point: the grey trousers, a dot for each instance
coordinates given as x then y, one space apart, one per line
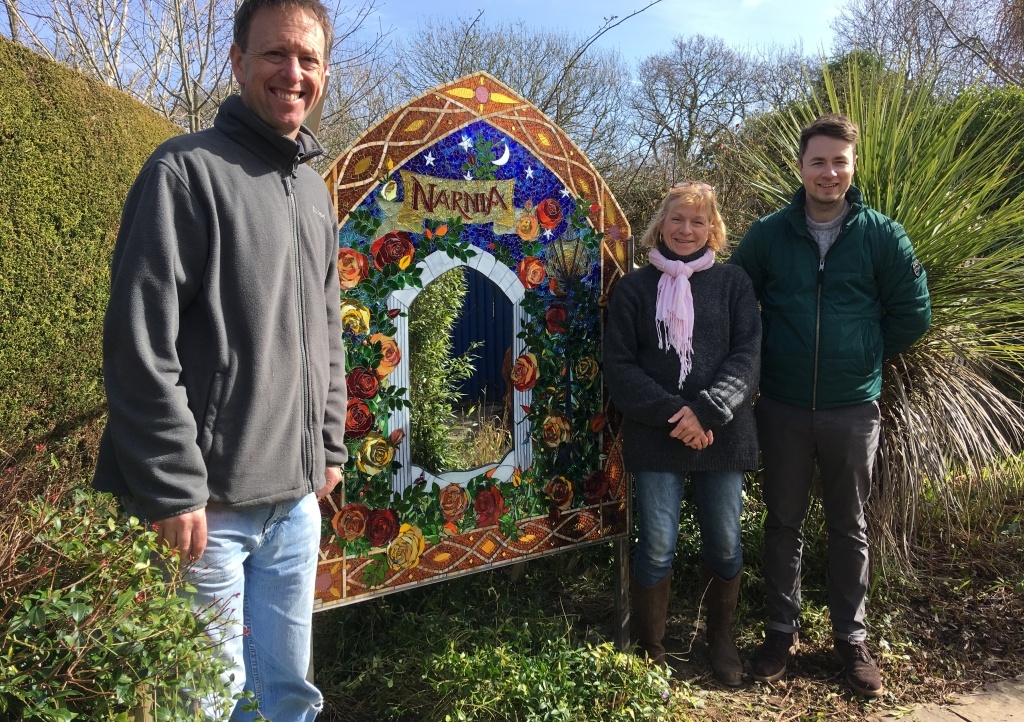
842 442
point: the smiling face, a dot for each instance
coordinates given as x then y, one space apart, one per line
685 228
827 169
282 70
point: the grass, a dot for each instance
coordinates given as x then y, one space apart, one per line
956 625
480 436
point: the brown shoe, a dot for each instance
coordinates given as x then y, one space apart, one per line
861 671
648 616
769 661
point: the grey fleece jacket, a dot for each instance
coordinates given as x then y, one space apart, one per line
223 360
643 380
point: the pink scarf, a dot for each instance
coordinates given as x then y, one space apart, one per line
674 315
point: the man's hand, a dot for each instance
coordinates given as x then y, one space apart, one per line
688 429
186 533
333 476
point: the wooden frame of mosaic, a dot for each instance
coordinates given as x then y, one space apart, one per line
469 174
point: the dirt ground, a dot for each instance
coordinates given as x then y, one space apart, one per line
956 624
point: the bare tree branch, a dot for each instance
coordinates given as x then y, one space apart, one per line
170 54
588 103
463 46
981 48
608 25
920 35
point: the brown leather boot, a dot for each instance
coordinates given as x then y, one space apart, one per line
649 610
720 598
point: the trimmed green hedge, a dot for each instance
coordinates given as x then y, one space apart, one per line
69 150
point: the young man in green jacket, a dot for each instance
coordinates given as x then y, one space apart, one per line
840 290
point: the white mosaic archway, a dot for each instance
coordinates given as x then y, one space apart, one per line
521 455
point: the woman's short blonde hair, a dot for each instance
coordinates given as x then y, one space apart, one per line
690 193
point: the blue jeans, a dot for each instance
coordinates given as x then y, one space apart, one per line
259 567
659 497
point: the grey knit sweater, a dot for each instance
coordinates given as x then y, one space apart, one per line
643 379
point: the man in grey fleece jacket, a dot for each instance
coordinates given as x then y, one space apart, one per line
223 360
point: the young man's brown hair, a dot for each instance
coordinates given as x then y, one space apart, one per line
832 125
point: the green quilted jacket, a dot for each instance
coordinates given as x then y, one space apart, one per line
828 323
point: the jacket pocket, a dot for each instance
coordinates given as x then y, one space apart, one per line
213 400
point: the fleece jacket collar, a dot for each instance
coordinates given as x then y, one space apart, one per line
235 120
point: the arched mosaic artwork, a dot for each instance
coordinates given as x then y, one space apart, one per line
471 176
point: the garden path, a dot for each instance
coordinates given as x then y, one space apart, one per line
997 702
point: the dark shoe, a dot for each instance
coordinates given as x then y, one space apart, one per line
720 598
648 615
861 671
769 661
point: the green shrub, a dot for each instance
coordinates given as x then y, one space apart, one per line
435 394
90 622
560 682
485 647
69 149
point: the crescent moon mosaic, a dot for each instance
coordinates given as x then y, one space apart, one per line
471 176
504 157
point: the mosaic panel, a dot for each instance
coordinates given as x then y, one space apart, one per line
469 174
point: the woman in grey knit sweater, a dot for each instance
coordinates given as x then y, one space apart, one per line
681 359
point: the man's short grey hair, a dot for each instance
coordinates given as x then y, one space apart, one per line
247 10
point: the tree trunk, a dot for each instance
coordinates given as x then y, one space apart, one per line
12 17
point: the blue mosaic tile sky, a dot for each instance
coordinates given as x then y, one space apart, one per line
449 158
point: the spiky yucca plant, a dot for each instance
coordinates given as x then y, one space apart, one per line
947 169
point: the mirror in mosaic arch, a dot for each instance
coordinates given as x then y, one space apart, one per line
502 203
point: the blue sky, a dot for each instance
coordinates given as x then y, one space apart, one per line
741 23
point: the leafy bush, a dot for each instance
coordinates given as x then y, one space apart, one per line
483 648
91 623
69 149
560 682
